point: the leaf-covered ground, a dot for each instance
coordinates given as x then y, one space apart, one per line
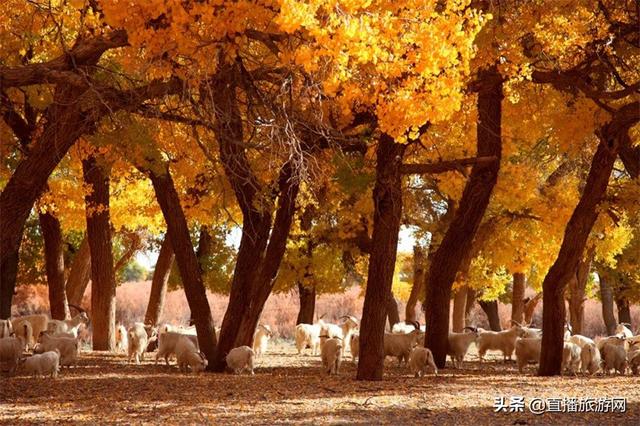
289 388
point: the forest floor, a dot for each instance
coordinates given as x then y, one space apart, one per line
289 388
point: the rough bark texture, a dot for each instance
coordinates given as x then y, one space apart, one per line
178 232
606 297
418 281
392 311
458 239
577 293
571 250
530 307
624 311
159 283
459 306
54 265
307 298
79 274
471 300
491 310
103 281
387 199
517 297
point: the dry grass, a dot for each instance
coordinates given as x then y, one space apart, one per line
289 388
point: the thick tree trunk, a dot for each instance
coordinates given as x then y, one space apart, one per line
79 274
418 281
205 246
517 297
103 280
457 242
571 250
54 265
307 298
624 311
392 311
459 306
577 293
606 296
471 300
178 233
491 310
159 282
387 199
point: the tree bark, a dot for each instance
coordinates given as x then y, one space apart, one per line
103 280
79 274
577 293
387 199
471 300
307 298
418 281
530 307
571 250
54 265
624 311
459 306
491 310
517 297
606 296
159 282
392 311
205 246
458 239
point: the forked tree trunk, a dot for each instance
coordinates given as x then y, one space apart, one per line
79 274
517 297
606 297
392 311
418 281
459 306
571 251
159 282
103 281
307 296
387 200
54 265
178 232
491 310
457 242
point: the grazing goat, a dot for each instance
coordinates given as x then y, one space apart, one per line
458 345
590 358
421 362
24 330
400 345
527 350
308 335
167 344
624 329
68 326
42 364
503 341
406 327
633 356
122 341
240 359
38 323
188 355
5 328
10 352
580 340
528 331
354 346
614 357
261 339
571 357
616 340
138 341
67 346
331 355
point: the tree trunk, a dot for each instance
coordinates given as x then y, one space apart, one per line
517 297
459 306
624 311
571 251
387 199
54 265
491 310
307 304
103 280
178 233
530 307
79 274
159 283
392 311
458 239
418 281
471 300
205 246
577 293
606 296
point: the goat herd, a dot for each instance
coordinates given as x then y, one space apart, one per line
55 343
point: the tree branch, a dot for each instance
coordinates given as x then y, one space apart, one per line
445 166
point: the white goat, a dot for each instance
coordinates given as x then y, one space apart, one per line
421 362
590 358
459 345
580 340
308 335
503 341
624 329
10 352
400 345
67 346
25 333
240 359
528 331
167 344
406 327
5 328
349 325
38 324
614 357
354 346
261 339
331 355
42 364
527 350
571 357
616 340
188 355
68 326
122 341
138 341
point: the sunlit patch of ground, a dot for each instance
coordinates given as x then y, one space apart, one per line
289 388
